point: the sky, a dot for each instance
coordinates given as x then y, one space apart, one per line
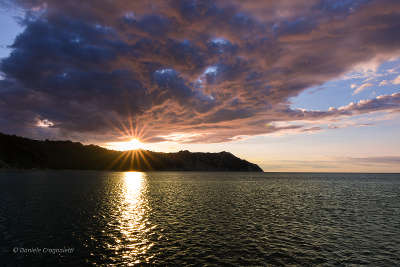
305 85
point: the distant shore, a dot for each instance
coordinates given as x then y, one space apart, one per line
23 153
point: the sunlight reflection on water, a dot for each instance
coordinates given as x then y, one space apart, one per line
133 222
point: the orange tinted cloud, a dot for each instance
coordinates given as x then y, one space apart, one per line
211 71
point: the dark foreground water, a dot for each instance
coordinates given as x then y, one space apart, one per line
176 218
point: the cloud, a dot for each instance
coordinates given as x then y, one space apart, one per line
383 102
361 88
396 80
44 123
383 83
353 164
377 160
210 71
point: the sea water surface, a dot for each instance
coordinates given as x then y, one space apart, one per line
194 218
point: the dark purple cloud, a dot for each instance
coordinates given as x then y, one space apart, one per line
215 69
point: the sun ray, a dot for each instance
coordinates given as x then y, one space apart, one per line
131 125
115 161
133 155
124 159
130 160
143 156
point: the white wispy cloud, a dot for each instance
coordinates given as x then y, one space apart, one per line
383 83
396 80
361 88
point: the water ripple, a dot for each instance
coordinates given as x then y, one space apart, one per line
201 218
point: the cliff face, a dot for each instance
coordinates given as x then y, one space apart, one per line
24 153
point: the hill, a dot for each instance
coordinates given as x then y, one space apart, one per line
24 153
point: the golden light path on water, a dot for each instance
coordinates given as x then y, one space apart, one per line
133 223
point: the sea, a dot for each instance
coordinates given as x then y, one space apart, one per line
77 218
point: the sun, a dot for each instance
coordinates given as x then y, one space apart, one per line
132 144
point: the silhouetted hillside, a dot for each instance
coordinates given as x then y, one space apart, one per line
24 153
